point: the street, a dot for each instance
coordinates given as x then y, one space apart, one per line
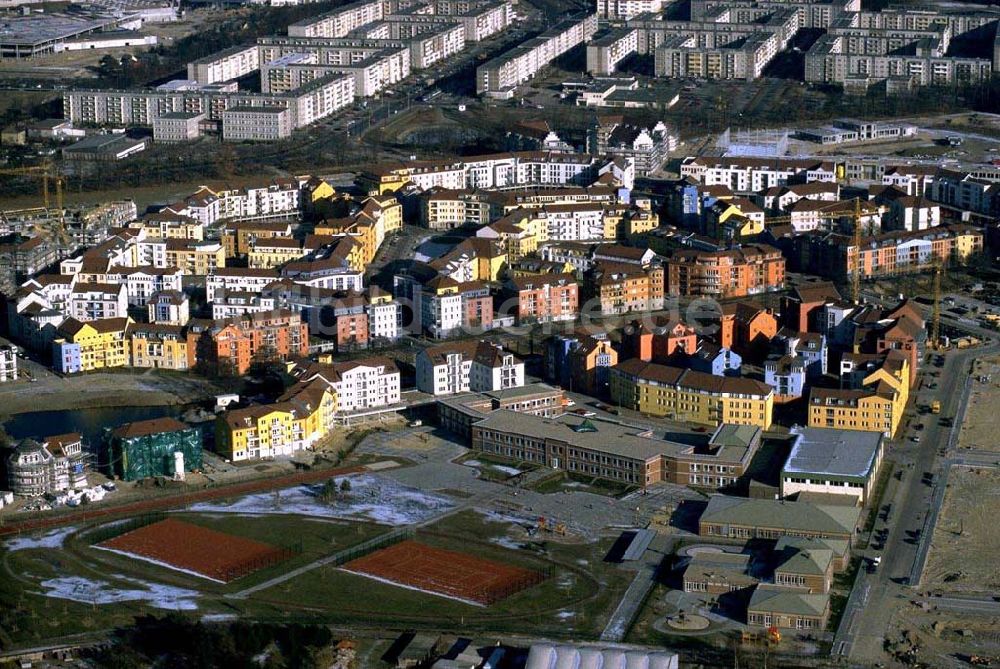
913 504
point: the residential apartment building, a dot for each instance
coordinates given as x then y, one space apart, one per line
623 288
297 421
543 299
877 406
688 395
230 346
752 175
96 301
516 170
158 346
580 363
500 76
364 385
833 256
48 467
226 65
459 367
749 270
90 346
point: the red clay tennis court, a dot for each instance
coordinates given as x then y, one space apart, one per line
193 548
443 572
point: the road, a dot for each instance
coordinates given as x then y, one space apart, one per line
914 505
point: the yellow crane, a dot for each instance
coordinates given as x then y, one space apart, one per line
47 174
856 216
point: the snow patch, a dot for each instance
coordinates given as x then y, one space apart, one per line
53 539
86 591
565 615
506 470
375 498
507 542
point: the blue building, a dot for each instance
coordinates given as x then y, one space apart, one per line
787 375
713 359
66 357
811 347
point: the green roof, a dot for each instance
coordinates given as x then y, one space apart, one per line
781 515
801 555
775 599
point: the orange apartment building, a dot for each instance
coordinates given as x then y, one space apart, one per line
623 288
230 346
748 270
544 298
660 339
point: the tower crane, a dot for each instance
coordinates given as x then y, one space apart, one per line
47 174
855 251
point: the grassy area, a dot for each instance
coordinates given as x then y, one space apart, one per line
576 600
27 617
580 483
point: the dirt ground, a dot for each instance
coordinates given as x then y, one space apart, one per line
982 420
52 392
965 545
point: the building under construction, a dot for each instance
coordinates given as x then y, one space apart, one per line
46 467
149 448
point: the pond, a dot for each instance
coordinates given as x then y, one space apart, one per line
88 422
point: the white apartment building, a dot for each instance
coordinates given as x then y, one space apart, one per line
621 10
751 175
169 307
604 53
141 283
235 304
371 383
239 280
257 124
445 369
440 314
514 170
340 22
8 364
227 65
179 126
384 318
501 76
494 369
97 301
573 222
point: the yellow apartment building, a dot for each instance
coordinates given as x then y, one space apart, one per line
688 395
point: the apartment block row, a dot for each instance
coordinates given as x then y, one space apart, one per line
901 48
275 114
500 77
499 171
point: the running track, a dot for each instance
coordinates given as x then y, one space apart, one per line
178 500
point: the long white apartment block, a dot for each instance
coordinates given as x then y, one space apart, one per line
307 104
604 53
480 20
291 62
621 10
430 39
500 77
340 22
226 65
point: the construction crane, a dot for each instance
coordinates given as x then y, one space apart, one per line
47 174
856 216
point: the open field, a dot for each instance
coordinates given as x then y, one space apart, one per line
85 391
982 420
448 573
194 549
965 545
55 582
